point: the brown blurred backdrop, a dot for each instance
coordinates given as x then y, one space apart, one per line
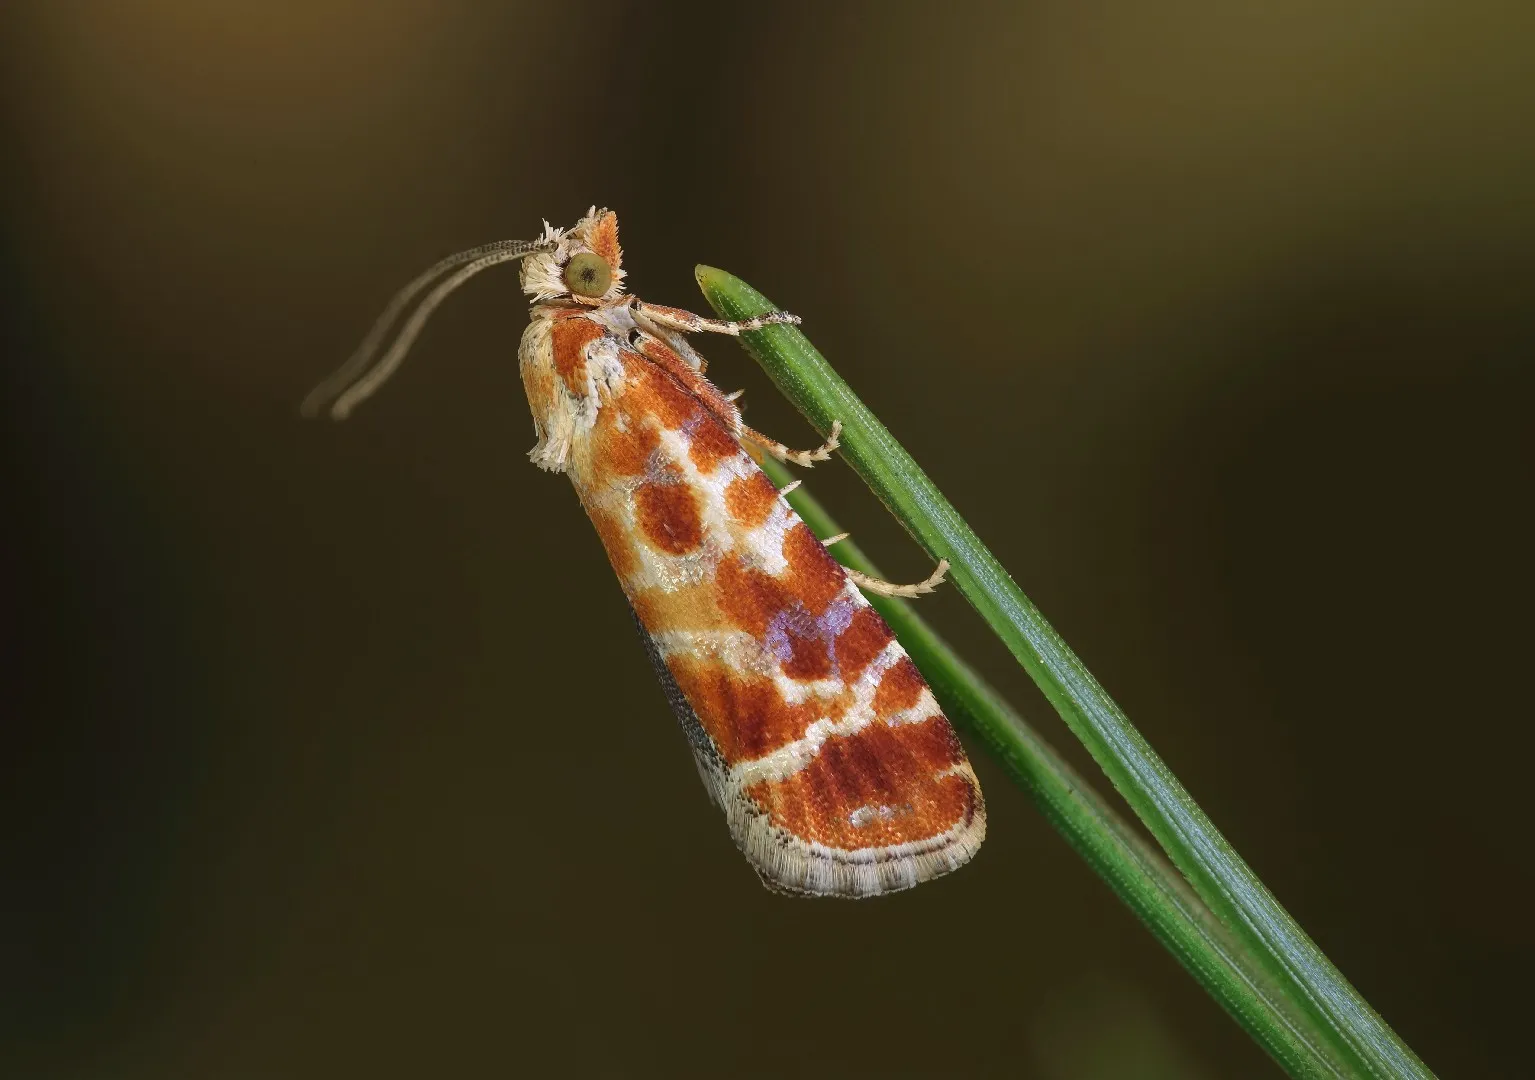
332 751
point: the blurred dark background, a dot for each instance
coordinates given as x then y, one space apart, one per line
331 748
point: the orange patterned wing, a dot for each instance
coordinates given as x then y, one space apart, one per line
813 730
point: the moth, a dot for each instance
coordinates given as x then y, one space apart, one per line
813 731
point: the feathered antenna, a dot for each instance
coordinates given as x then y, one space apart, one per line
360 376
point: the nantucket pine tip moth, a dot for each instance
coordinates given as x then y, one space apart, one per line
836 770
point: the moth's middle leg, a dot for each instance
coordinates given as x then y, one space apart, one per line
805 458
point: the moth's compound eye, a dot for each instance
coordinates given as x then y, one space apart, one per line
587 274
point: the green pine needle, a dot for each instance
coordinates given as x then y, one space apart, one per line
1250 955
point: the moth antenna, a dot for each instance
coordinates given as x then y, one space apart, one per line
360 376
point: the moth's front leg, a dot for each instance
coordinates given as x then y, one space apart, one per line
688 323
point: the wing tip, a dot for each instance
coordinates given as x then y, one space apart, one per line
795 866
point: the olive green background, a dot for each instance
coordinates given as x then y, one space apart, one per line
336 754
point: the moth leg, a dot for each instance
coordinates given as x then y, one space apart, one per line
673 341
884 588
685 321
805 458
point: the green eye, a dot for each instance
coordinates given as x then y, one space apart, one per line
587 274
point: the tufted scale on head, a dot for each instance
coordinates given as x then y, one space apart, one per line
543 275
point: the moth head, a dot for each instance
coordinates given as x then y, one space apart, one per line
583 264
